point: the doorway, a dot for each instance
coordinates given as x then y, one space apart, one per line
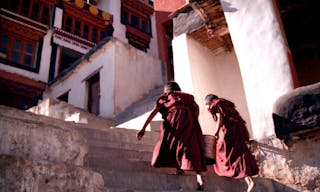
94 94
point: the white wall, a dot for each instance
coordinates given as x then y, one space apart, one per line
114 7
126 74
75 82
181 60
153 50
44 64
217 73
136 73
261 52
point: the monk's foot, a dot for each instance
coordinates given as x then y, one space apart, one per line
250 187
200 187
179 172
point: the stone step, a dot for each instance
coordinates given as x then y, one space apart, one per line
107 153
120 139
154 181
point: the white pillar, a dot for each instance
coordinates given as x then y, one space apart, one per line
262 56
182 68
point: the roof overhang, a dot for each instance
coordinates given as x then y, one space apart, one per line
204 21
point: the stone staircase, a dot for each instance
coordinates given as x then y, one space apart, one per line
124 162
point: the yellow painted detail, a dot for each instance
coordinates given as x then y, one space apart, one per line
106 16
79 3
93 10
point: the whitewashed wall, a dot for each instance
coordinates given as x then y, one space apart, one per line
126 74
114 7
136 72
153 50
217 73
261 52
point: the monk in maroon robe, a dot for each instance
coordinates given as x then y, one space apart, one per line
181 144
233 158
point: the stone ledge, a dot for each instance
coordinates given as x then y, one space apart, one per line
18 174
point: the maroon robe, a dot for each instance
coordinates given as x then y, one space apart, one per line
233 158
181 144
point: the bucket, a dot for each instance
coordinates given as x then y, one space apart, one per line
210 149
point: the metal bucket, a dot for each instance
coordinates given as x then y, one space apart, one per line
210 149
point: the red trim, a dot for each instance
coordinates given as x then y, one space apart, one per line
139 7
23 80
138 33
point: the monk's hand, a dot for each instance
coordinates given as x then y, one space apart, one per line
140 134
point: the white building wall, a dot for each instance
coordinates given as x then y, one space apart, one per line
136 74
217 73
154 42
261 52
43 73
126 75
181 60
75 82
114 7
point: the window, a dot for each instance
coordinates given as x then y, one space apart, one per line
4 46
137 20
82 29
45 15
64 97
67 58
77 28
18 51
35 11
85 31
28 54
68 24
145 26
13 5
94 35
134 21
25 8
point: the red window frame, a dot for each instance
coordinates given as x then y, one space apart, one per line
21 50
44 9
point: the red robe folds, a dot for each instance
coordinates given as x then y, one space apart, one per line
181 144
233 158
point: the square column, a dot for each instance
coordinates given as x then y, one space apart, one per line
262 56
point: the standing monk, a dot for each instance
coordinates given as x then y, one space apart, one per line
233 158
181 144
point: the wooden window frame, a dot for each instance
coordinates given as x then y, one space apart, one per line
22 53
90 36
40 13
126 19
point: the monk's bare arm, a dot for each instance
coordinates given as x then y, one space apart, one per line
150 117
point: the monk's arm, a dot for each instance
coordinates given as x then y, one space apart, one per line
150 117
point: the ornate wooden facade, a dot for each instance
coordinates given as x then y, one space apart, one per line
136 16
24 25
